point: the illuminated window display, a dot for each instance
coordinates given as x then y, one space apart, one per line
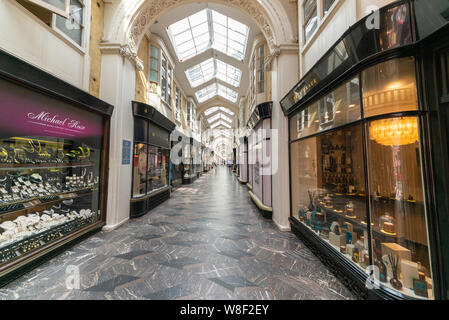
368 130
335 198
51 166
151 165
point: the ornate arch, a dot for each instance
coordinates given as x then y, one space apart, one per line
128 22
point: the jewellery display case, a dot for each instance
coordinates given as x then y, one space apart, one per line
361 180
151 165
53 155
259 157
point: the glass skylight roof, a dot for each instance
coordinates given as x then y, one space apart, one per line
191 36
230 36
218 117
222 132
208 29
211 68
215 109
227 93
201 73
220 123
228 73
214 90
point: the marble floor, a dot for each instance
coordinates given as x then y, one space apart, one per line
207 242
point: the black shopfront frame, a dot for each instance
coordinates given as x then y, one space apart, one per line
160 138
433 126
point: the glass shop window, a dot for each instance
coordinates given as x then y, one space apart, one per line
50 171
154 64
390 87
397 206
140 170
310 19
328 190
157 169
395 28
339 107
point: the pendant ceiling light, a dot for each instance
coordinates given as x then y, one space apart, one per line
394 132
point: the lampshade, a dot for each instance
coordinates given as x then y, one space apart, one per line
394 132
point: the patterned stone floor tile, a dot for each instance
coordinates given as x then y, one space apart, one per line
208 241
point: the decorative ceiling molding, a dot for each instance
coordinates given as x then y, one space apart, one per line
154 8
123 50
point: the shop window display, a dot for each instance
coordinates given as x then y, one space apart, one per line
50 155
157 175
357 183
329 190
140 170
150 169
397 205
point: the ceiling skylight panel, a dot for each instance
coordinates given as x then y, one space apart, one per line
216 89
193 35
190 36
228 73
201 73
227 111
206 93
227 93
218 117
230 36
220 123
211 110
226 118
214 118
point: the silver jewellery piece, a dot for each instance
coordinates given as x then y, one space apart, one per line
83 172
90 176
4 179
68 202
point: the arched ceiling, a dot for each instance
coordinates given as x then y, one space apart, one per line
209 58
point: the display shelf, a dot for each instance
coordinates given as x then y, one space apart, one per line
42 238
407 291
56 197
27 166
361 224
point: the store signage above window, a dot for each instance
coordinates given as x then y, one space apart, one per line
299 92
27 113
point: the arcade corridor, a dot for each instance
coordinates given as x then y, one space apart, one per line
207 242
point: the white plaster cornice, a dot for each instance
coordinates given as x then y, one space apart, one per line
123 50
